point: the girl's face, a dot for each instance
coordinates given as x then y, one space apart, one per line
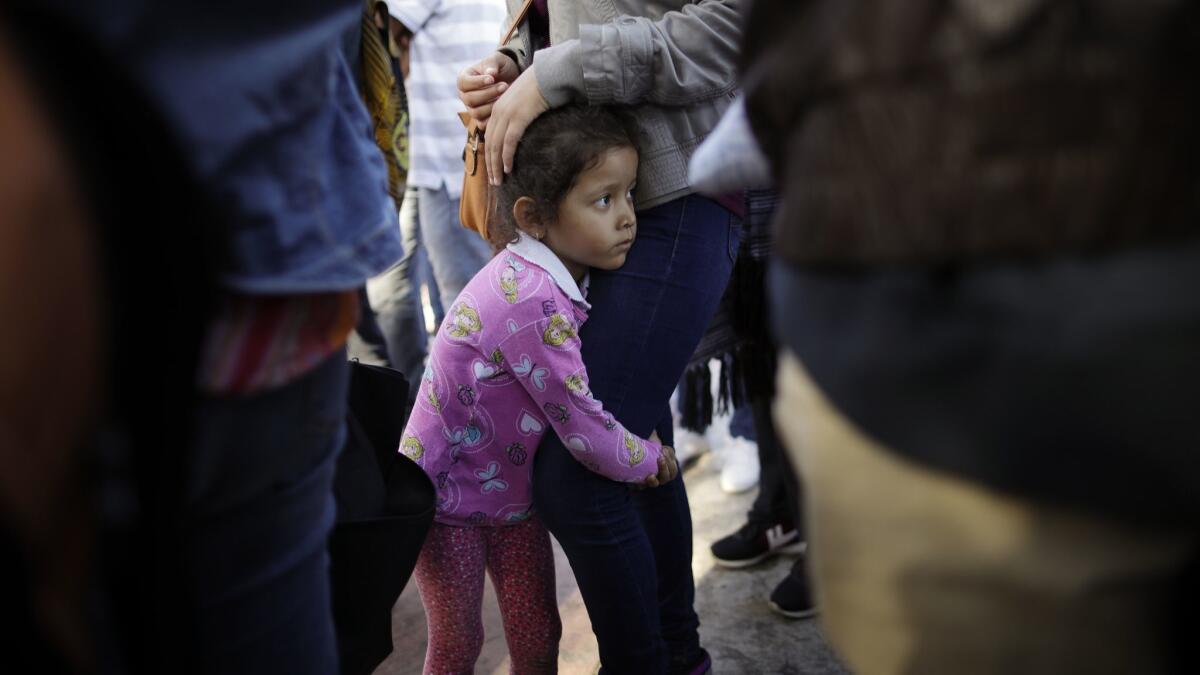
596 222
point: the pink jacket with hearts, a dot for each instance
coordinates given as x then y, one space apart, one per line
504 370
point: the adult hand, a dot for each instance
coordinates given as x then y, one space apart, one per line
511 115
481 84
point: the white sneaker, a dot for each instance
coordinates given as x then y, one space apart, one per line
689 445
740 470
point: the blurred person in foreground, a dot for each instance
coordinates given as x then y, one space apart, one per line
985 290
264 106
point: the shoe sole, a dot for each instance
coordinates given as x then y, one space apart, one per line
791 549
792 614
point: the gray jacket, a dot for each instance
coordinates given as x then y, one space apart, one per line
675 61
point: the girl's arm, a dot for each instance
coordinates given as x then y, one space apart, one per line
545 358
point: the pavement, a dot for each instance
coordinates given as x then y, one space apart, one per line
737 627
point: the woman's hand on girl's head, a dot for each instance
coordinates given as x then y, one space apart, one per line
511 114
481 84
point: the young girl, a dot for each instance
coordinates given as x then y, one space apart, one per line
505 370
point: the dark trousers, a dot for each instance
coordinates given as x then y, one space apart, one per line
259 508
631 551
779 493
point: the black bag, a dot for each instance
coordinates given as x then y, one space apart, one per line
385 507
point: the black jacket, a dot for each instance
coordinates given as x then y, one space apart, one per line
926 131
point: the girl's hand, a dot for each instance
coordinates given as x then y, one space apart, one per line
481 84
511 114
668 469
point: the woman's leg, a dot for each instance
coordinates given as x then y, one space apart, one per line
521 563
449 575
631 555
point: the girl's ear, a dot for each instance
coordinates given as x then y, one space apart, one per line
526 216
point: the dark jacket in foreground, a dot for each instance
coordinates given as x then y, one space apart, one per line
922 130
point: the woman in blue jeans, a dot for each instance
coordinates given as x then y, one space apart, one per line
630 551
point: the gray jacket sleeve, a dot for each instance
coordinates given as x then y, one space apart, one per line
682 58
515 47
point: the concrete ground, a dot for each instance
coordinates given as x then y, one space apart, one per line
743 635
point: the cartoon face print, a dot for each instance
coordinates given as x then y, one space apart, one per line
466 395
411 448
463 323
635 453
508 283
557 412
508 279
580 394
558 331
434 391
515 281
576 384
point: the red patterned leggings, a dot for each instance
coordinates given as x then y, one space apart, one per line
449 576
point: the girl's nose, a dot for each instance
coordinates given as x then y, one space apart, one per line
628 218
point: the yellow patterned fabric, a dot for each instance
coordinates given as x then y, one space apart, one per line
385 99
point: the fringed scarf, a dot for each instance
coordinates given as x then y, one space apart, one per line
739 334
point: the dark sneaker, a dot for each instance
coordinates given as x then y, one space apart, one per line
700 665
704 667
792 597
756 542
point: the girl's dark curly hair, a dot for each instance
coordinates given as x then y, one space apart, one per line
560 144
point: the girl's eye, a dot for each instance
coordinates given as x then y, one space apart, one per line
604 201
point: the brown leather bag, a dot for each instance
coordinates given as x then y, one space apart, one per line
476 207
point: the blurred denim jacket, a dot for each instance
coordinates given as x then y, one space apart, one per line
263 102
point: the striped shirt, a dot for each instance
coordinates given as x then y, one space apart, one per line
448 35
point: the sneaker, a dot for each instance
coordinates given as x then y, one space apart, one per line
689 445
704 667
755 542
792 597
740 471
699 666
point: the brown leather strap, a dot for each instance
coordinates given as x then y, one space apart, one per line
516 22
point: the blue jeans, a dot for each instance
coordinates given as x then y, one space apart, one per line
455 252
631 551
259 508
395 298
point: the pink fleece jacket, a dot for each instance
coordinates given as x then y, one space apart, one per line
504 370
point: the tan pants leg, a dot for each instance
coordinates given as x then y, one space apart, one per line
917 571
